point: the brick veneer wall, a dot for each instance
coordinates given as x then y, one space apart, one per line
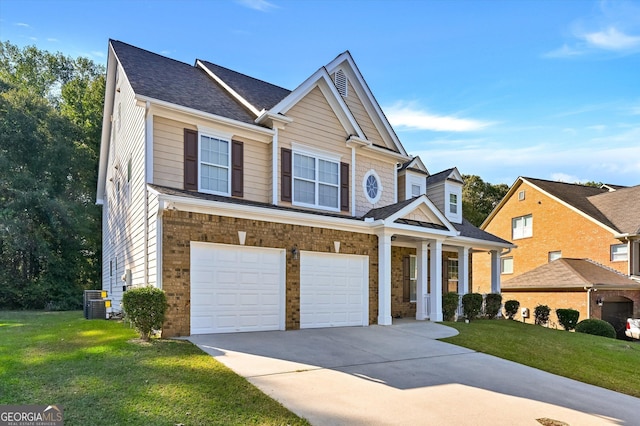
180 228
555 227
400 308
575 299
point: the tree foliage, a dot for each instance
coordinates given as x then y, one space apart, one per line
479 198
50 119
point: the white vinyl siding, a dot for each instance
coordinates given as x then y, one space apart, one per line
522 227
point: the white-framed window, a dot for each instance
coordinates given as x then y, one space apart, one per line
413 277
522 227
453 203
372 186
554 255
415 190
452 274
316 181
521 195
506 265
214 166
619 253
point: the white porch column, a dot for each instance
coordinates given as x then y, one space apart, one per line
421 284
435 249
463 270
495 271
384 278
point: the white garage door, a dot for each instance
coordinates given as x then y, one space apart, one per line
236 288
334 290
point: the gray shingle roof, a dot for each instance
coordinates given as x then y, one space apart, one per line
566 273
619 210
439 177
258 93
386 211
467 229
166 79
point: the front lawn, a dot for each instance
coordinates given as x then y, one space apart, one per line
101 375
608 363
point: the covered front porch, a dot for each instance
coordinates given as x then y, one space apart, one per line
415 272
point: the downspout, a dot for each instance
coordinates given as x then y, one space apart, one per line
353 180
588 301
274 168
147 179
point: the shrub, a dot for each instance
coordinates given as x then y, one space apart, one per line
542 314
568 318
492 304
471 305
145 307
450 305
596 327
511 308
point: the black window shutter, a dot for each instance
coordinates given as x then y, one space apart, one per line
285 174
190 159
237 169
344 187
406 279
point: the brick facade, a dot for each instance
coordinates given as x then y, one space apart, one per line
555 228
573 299
180 228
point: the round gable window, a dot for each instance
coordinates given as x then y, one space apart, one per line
372 186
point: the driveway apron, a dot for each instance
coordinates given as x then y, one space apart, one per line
401 375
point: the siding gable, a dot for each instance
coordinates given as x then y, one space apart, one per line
363 118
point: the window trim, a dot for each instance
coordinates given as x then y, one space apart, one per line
523 234
453 203
612 254
413 277
373 173
223 138
502 262
316 155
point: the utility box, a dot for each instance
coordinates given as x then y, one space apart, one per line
90 295
524 312
97 309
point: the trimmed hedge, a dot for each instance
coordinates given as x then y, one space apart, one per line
542 314
568 318
492 304
597 327
511 308
471 305
450 305
145 307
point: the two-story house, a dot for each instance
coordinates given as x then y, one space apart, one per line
255 207
595 232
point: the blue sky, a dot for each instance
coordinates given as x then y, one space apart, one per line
500 89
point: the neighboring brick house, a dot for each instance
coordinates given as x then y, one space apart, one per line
259 208
554 220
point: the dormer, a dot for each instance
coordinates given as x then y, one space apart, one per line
445 191
412 179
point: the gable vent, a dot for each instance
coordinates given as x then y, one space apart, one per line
341 82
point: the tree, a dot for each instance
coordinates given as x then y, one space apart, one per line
479 198
49 136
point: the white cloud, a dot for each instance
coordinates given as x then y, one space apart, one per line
612 39
563 177
261 5
54 40
564 52
22 24
405 115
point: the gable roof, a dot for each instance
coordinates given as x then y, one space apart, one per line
567 273
621 207
450 174
158 77
258 93
415 165
618 210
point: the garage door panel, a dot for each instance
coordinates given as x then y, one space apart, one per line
236 288
333 290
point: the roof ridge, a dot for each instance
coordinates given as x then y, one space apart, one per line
243 74
606 267
150 52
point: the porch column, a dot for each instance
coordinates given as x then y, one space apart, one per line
463 270
495 271
421 284
384 278
435 249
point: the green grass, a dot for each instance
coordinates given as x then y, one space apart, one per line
608 363
101 375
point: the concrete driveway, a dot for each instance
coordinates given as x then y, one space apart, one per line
400 375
